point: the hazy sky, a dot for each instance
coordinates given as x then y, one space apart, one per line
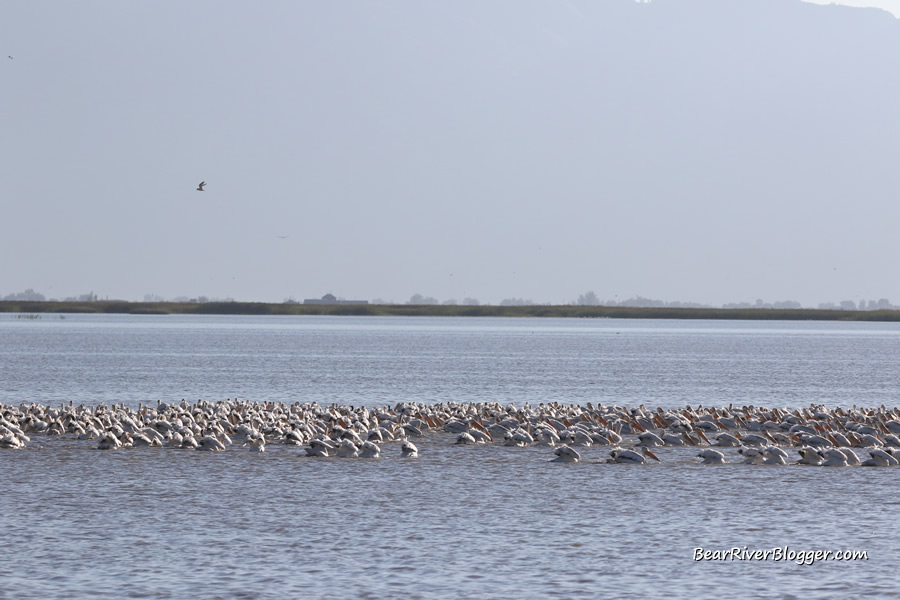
712 151
892 6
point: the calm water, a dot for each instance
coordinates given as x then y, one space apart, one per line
374 361
459 522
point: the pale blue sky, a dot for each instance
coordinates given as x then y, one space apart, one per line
712 151
892 6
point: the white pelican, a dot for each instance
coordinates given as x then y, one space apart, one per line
523 437
782 439
840 439
752 439
774 456
497 430
8 429
852 458
519 437
880 458
580 438
810 456
598 439
347 449
630 456
412 430
707 425
387 434
711 457
699 436
866 430
163 426
892 440
648 438
369 450
455 426
409 450
726 439
257 442
465 438
184 424
545 437
814 440
678 439
834 458
174 440
208 442
802 430
243 433
139 439
610 436
679 424
752 456
480 436
11 441
109 442
320 448
866 440
153 435
564 454
349 434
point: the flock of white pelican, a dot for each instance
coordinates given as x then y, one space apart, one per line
816 435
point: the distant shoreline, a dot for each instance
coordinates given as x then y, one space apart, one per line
431 310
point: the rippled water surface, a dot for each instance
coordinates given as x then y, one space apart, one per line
379 361
458 522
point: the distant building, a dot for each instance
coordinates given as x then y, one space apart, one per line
332 299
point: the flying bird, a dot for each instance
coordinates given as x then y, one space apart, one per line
200 187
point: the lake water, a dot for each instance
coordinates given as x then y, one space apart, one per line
376 361
458 522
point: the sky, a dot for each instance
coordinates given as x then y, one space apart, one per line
892 6
711 151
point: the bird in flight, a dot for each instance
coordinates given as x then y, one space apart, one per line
200 187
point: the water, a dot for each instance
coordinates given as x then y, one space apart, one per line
375 361
461 522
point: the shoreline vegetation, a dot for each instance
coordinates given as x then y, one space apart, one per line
435 310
